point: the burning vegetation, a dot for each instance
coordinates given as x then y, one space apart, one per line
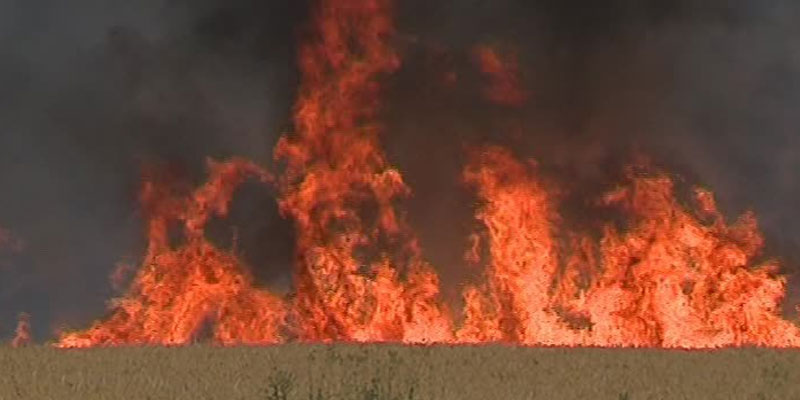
676 276
22 334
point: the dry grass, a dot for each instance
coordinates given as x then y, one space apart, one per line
316 372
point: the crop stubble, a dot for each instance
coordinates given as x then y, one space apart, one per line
317 372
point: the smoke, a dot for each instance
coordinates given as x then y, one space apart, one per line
707 89
91 90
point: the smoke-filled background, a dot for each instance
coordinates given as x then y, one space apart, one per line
93 91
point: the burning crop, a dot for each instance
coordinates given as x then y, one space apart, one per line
676 274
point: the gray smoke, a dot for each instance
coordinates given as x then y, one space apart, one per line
91 91
709 89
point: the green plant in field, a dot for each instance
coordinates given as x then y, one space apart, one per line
376 390
624 396
776 378
280 385
316 395
775 374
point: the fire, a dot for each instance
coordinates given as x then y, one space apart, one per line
177 290
518 217
673 276
336 173
676 278
22 335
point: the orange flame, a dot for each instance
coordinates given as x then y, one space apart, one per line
22 334
336 177
671 280
177 290
674 276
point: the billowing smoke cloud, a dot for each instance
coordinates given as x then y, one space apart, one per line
91 90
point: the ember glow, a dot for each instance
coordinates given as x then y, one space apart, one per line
501 72
677 275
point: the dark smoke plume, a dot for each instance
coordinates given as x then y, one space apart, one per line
708 90
92 91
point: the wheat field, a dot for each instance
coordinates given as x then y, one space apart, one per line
321 372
